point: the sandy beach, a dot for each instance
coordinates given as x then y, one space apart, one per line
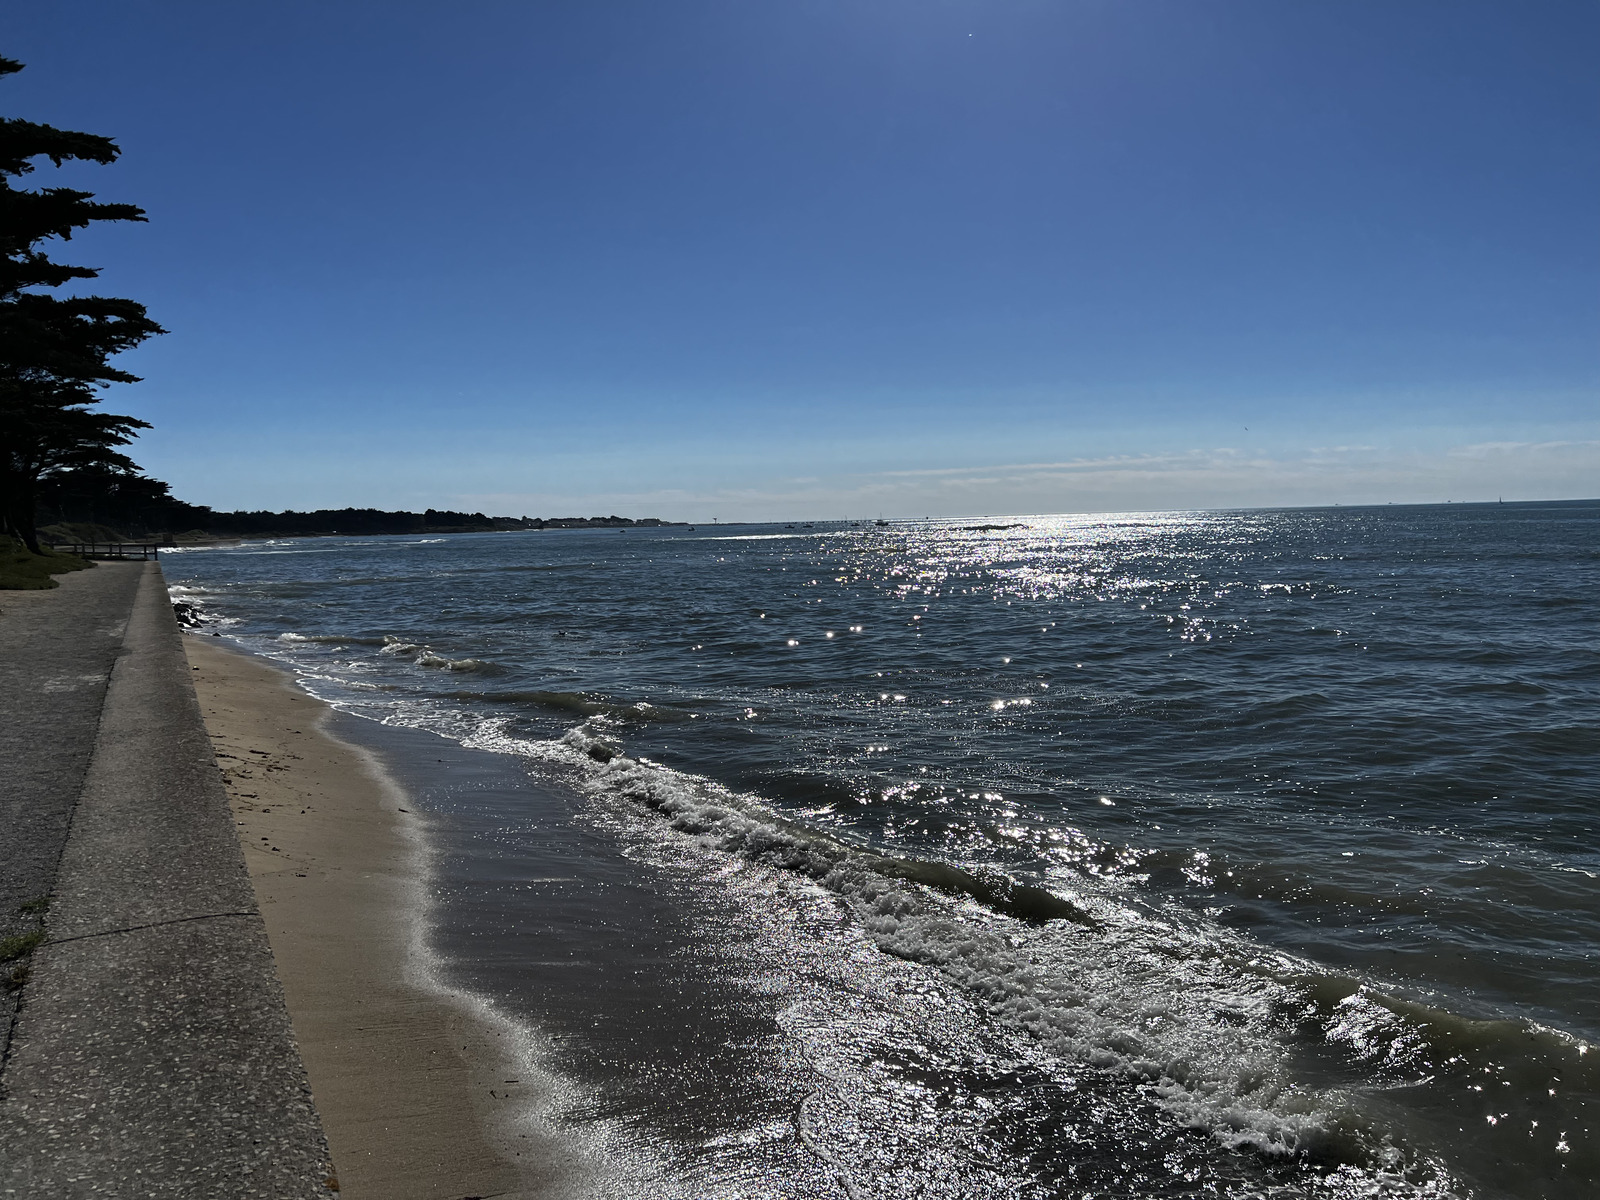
417 1088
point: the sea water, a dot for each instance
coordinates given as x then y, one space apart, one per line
1199 853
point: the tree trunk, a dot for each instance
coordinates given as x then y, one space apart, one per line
17 501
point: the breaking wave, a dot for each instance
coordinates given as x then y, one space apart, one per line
1210 1025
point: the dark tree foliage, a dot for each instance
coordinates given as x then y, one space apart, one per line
132 504
55 351
351 521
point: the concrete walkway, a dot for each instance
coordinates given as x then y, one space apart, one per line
57 648
151 1054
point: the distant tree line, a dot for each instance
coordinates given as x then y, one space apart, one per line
137 506
375 521
350 521
358 521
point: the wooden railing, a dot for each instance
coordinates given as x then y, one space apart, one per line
143 551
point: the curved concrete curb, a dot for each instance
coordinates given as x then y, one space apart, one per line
153 1055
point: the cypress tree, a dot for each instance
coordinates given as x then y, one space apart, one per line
55 351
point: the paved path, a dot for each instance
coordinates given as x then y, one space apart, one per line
152 1054
57 648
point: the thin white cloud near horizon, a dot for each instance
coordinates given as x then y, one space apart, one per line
1219 477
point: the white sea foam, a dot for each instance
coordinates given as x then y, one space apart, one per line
199 600
1191 1014
439 662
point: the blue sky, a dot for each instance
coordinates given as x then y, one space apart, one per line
757 260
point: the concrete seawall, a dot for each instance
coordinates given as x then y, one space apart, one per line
151 1053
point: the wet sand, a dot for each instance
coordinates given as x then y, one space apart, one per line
414 1083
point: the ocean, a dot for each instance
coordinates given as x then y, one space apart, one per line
1238 854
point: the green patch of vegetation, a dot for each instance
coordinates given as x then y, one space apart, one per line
20 946
16 952
20 570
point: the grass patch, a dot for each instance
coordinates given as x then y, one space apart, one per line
24 944
37 905
16 952
22 571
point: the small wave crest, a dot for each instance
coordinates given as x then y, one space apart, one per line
332 639
440 663
425 656
577 702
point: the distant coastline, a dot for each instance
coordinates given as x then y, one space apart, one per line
334 522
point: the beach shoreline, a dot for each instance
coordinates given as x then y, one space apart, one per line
423 1091
669 787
